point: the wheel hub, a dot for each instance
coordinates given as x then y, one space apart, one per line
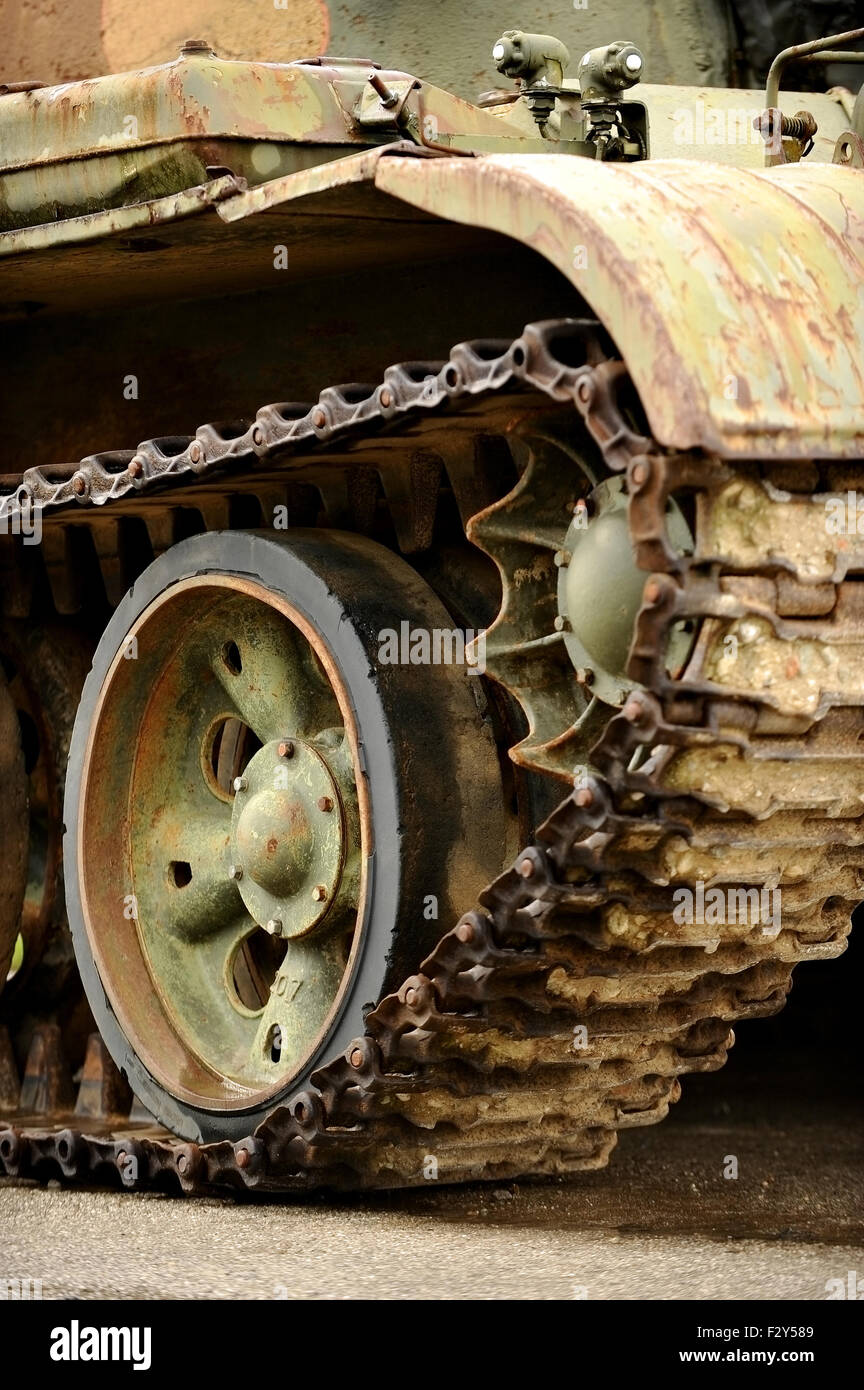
288 839
600 589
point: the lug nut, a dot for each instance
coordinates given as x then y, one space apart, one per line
274 926
240 784
325 803
286 749
319 893
235 871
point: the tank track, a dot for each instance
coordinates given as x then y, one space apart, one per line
565 1007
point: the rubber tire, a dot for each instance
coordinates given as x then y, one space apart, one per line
417 819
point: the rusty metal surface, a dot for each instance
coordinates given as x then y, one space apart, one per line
472 1062
122 221
697 272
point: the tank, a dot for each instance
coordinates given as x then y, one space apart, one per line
431 656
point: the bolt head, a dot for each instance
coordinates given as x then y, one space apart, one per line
274 926
182 1163
319 893
257 440
235 871
79 484
639 474
325 803
633 62
526 868
385 398
356 1057
240 784
465 932
319 419
195 451
242 1157
136 467
584 797
286 749
652 591
411 997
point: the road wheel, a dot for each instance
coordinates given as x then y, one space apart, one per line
267 827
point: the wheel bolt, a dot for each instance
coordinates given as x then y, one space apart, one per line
325 803
286 749
235 871
274 927
240 784
319 893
